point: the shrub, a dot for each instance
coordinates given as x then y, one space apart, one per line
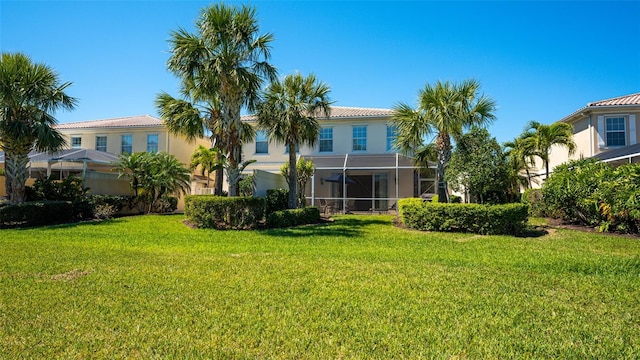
277 199
508 219
293 217
210 211
107 206
533 199
36 213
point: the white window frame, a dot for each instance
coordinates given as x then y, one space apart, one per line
152 147
262 138
73 141
623 131
391 137
356 146
122 145
328 140
99 147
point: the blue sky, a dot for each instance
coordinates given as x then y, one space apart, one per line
538 60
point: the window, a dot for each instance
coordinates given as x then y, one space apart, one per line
326 139
359 138
392 132
262 142
127 144
101 143
76 142
616 134
152 143
286 148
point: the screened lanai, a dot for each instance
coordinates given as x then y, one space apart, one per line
363 182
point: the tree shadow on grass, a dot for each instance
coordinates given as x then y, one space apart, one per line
533 232
341 227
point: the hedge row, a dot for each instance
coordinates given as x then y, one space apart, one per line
293 217
508 219
37 213
217 212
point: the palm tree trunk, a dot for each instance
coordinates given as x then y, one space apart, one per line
443 146
16 173
292 176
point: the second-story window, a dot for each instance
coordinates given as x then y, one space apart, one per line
127 144
152 143
262 142
101 143
326 140
359 138
392 133
76 142
616 132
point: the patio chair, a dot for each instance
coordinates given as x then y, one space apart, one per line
324 206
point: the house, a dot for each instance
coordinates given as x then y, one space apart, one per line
356 165
606 130
122 135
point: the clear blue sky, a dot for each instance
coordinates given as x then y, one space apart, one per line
538 60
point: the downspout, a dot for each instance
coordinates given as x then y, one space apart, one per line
590 137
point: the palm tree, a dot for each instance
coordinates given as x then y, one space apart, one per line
546 136
288 113
131 165
209 160
30 93
445 110
521 156
227 58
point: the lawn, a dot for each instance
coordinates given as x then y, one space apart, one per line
150 287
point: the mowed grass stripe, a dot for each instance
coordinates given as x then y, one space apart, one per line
149 287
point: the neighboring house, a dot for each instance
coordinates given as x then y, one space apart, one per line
357 167
607 130
126 135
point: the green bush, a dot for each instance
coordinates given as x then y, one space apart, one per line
277 199
69 189
36 213
508 219
293 217
216 212
533 199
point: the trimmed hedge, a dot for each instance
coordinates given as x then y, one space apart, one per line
293 217
508 219
37 213
277 200
217 212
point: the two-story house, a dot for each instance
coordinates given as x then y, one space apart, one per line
356 165
606 130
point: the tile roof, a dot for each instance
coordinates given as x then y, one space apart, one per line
632 99
626 100
344 112
123 122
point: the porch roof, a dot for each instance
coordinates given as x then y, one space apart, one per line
624 153
361 161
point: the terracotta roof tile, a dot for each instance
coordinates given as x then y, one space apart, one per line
632 99
343 112
123 122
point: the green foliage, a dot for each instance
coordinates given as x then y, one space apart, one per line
595 194
69 189
304 172
293 217
210 211
476 218
533 199
276 200
37 213
247 186
479 167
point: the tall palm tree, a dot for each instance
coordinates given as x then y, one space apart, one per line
444 109
132 165
209 160
289 114
30 93
227 56
547 136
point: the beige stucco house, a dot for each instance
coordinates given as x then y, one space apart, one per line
606 129
357 168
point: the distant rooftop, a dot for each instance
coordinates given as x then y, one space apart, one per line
626 100
344 112
123 122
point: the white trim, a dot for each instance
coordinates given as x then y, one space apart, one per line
632 130
601 132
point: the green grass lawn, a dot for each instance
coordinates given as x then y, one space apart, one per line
149 287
